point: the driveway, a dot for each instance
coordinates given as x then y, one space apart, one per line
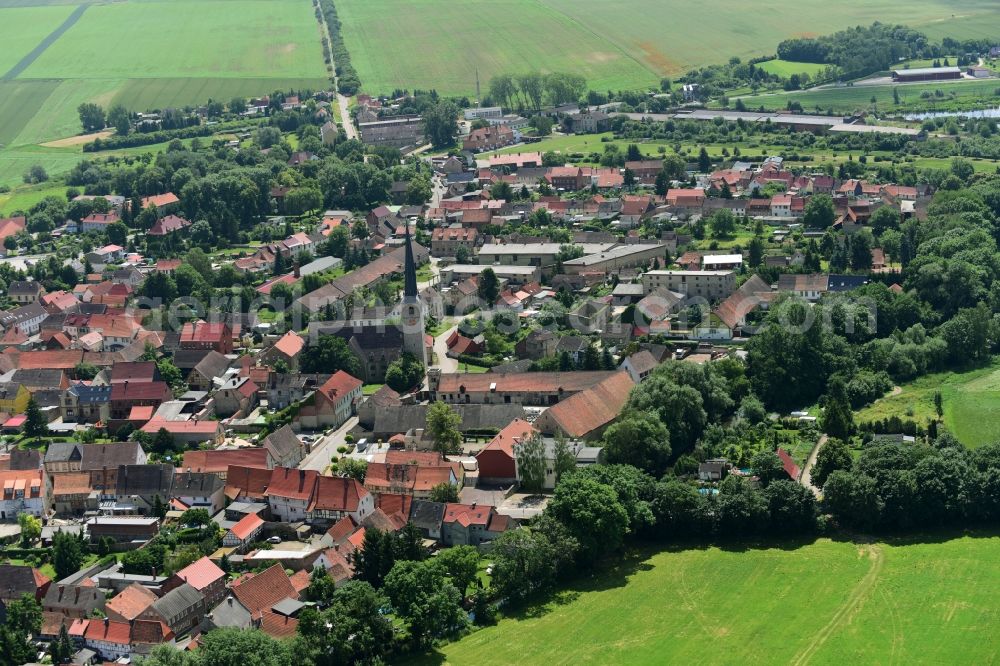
319 458
443 361
805 478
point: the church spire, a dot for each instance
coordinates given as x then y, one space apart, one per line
410 269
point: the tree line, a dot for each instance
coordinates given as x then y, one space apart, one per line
532 90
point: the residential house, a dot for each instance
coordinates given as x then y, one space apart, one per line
245 532
199 490
335 497
205 577
190 432
332 403
446 241
77 601
493 137
24 491
122 529
23 292
289 493
204 335
496 459
286 350
125 396
130 603
27 318
180 609
639 365
284 447
237 396
471 524
17 580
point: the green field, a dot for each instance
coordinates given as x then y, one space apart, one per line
23 28
161 53
786 68
616 44
822 603
971 403
847 99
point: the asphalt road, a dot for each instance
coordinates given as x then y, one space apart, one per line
319 458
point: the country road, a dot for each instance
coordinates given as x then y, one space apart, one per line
346 124
805 478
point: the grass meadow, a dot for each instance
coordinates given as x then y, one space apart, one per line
847 99
971 403
788 67
827 602
619 44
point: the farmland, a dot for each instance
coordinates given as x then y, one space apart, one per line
167 53
786 68
823 603
618 45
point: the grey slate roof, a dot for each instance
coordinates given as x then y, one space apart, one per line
145 481
177 601
282 442
426 515
196 484
474 417
77 598
213 365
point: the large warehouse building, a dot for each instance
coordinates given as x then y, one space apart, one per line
926 74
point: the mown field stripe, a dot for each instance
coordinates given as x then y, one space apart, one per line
26 61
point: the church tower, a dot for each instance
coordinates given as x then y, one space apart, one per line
412 309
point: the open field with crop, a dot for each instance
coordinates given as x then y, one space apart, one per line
619 45
167 53
971 402
22 28
821 603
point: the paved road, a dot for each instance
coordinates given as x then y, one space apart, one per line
805 478
443 361
345 117
319 458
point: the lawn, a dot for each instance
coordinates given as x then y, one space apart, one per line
971 402
823 603
786 68
616 45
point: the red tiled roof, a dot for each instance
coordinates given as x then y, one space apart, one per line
259 592
343 528
246 526
247 481
467 514
202 573
132 601
300 580
335 493
292 483
590 409
202 331
216 461
515 432
109 632
339 385
290 344
159 200
276 625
